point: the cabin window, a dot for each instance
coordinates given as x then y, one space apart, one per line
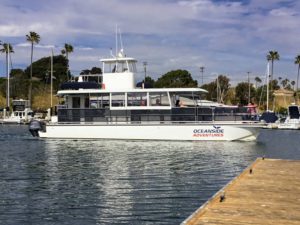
76 102
137 99
86 102
99 101
159 99
118 99
119 66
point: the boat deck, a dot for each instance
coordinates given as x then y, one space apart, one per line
267 192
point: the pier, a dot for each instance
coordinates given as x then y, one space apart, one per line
267 192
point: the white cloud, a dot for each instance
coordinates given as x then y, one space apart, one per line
228 37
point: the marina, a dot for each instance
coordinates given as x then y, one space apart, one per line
57 181
264 193
149 112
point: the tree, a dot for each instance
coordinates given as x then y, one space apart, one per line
218 89
7 48
257 80
242 92
67 49
176 78
42 66
285 83
150 81
293 84
19 83
297 61
94 70
33 38
272 56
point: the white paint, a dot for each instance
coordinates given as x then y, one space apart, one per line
191 132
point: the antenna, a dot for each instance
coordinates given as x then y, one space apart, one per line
121 41
116 40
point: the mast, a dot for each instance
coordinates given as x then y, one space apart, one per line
116 47
268 74
8 76
51 77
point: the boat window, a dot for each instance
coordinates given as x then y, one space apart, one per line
119 66
132 67
118 99
137 99
76 102
99 101
188 99
86 102
159 99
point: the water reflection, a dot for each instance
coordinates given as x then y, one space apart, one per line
129 182
139 181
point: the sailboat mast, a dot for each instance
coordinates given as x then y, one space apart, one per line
268 74
8 76
51 79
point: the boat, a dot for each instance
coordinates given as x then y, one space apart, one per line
292 121
21 113
117 109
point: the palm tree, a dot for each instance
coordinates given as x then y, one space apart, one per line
7 48
67 49
297 61
257 80
272 56
285 83
293 83
33 38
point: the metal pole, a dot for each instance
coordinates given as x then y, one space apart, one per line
218 89
268 76
145 70
249 97
51 81
8 75
202 70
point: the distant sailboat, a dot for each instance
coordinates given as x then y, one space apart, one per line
268 116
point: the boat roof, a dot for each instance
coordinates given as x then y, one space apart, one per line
118 59
150 90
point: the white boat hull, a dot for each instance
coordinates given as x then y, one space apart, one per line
191 132
290 126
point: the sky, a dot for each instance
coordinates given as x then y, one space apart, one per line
225 37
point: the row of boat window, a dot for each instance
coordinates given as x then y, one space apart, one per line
131 99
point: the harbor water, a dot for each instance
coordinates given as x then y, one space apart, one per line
120 182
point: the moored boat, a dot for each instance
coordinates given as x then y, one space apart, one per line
292 121
116 109
21 113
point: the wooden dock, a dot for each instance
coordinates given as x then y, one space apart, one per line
267 192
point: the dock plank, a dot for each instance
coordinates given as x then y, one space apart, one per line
268 195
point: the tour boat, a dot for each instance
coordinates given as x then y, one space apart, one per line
110 106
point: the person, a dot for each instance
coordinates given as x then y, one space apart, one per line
177 103
251 110
157 102
181 104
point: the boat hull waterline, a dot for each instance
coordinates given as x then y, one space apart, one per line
191 132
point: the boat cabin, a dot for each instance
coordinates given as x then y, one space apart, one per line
115 98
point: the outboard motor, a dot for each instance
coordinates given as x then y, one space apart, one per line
36 126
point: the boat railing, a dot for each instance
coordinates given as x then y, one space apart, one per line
187 115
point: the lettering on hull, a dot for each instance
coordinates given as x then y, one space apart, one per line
215 131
